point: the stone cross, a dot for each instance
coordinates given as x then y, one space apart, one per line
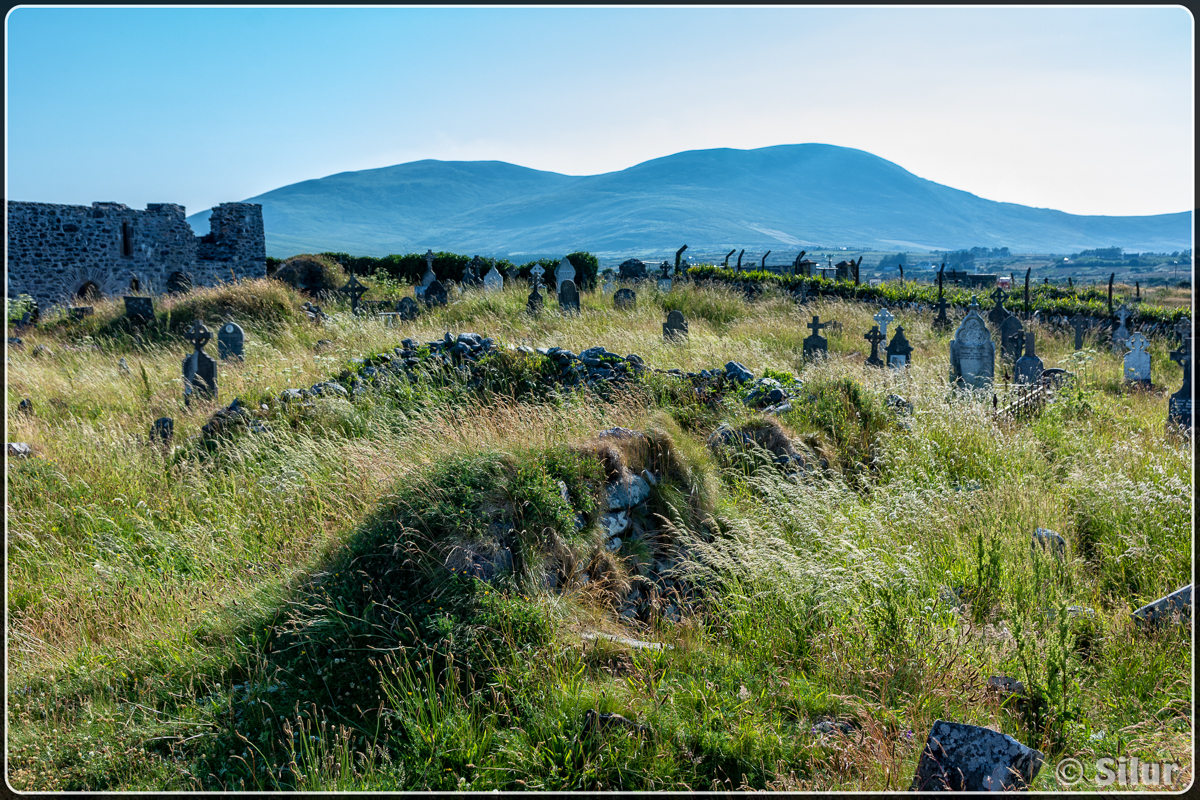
972 352
537 273
899 351
625 299
354 290
471 272
199 369
1012 337
1029 367
1179 407
568 297
1183 329
564 272
1137 360
1121 334
884 318
874 337
1080 323
999 312
230 340
941 321
675 328
535 303
493 281
429 257
816 344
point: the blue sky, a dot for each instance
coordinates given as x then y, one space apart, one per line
1086 110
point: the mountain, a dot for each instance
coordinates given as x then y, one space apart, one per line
786 197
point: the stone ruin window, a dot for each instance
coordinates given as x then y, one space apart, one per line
126 240
89 292
134 284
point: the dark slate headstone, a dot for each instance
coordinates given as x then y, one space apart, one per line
230 341
874 337
535 304
968 758
568 297
407 309
1080 323
816 344
899 351
435 295
1179 407
162 430
998 313
633 270
625 299
472 271
199 369
140 310
675 328
1029 367
79 312
25 406
1012 337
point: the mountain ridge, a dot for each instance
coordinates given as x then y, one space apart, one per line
784 195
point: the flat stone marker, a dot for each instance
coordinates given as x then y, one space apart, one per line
874 337
1178 602
1029 367
199 369
565 271
1012 337
1137 360
140 310
568 297
1080 323
675 328
625 299
816 344
968 758
1179 407
972 352
407 309
493 281
884 318
231 341
435 295
1121 334
899 351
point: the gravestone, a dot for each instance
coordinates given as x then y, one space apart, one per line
568 297
633 269
1012 337
493 281
998 313
610 284
199 369
535 303
972 353
664 285
941 322
625 299
874 337
162 430
537 275
676 327
1137 360
899 351
1121 334
471 272
1179 407
79 312
1028 368
816 344
884 318
968 758
1080 323
1183 329
429 276
407 309
139 310
565 271
435 295
354 290
230 341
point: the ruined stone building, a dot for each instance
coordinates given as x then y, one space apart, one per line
68 254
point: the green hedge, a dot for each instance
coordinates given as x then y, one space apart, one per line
410 268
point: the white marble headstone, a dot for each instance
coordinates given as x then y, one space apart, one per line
1137 360
564 272
972 352
493 281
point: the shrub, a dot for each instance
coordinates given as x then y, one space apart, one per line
312 275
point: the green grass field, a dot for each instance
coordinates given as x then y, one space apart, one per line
295 608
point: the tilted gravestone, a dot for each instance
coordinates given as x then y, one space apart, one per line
874 337
968 758
139 310
568 297
535 303
899 351
884 318
199 369
1080 323
435 295
972 352
1137 360
493 281
1121 334
1012 337
816 344
1028 368
625 299
675 328
230 341
407 309
1179 407
565 271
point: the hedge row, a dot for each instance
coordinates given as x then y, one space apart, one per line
410 268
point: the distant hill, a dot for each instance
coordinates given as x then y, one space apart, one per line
786 197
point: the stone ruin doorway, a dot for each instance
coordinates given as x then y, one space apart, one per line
89 292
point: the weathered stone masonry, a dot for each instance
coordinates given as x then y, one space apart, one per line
58 253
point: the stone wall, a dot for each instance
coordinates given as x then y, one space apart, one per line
56 252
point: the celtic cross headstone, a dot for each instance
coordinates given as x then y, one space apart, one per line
199 369
1137 360
884 318
1080 323
874 337
816 344
1121 334
354 290
1179 407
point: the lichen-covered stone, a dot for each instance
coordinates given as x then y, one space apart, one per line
968 758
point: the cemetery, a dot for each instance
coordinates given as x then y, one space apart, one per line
551 528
